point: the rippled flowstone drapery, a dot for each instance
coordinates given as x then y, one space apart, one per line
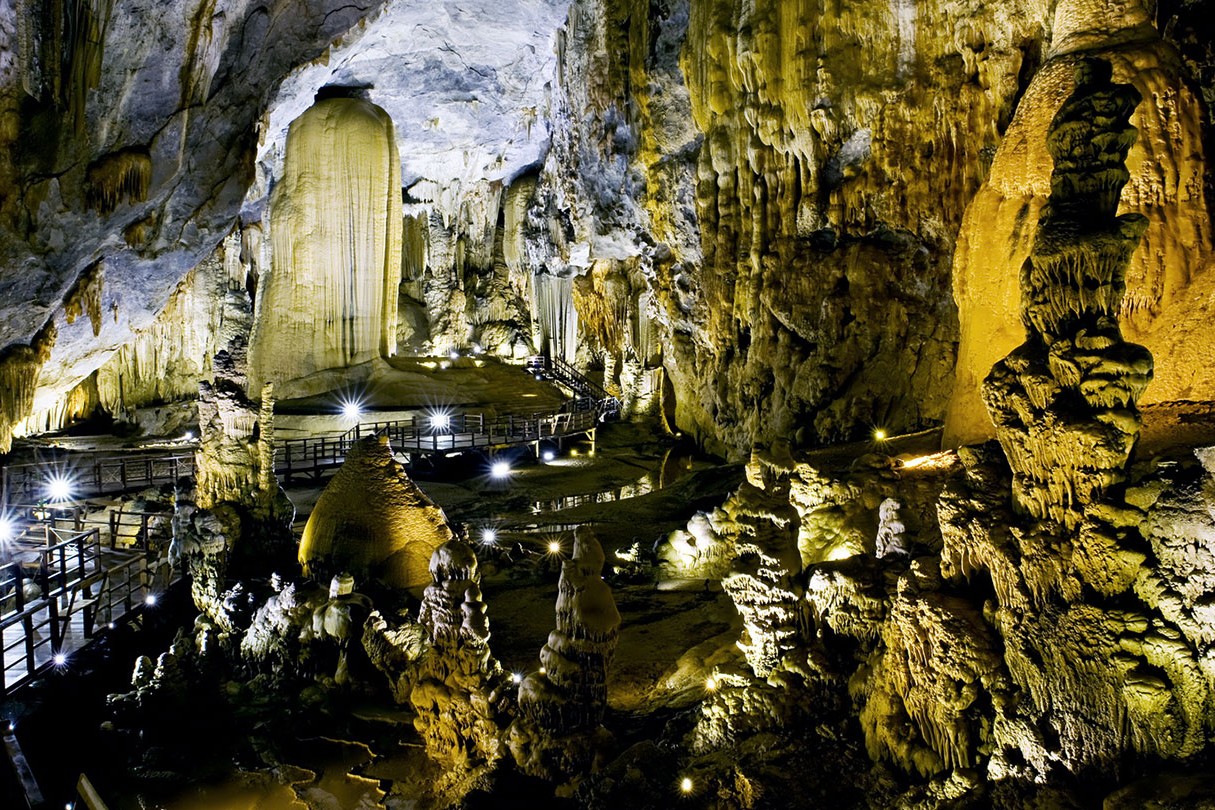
330 300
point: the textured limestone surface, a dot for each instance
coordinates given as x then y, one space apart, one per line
330 298
373 522
1168 287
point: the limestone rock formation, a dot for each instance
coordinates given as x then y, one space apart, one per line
330 298
1064 401
373 522
1167 278
558 734
459 687
237 512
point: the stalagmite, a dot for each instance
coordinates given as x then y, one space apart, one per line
1064 401
330 300
1167 277
373 522
561 706
459 684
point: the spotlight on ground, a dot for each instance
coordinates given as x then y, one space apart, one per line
500 469
549 455
59 489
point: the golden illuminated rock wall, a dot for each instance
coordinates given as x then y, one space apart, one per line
794 241
1169 291
330 300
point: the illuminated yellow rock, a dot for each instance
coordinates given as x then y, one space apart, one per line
1168 289
373 522
330 300
1063 402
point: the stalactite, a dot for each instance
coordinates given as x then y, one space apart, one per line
118 177
165 361
85 296
84 27
330 300
20 367
554 316
78 404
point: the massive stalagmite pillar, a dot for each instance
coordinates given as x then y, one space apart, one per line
1168 283
330 300
1063 402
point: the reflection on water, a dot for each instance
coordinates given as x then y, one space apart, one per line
676 463
321 777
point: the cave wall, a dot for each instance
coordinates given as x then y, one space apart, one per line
128 138
781 185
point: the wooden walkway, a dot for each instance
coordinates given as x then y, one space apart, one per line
314 455
90 474
59 588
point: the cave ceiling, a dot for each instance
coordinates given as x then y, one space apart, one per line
187 105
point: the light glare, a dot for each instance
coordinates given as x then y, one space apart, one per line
59 488
489 536
879 434
352 409
685 784
440 420
499 469
549 455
